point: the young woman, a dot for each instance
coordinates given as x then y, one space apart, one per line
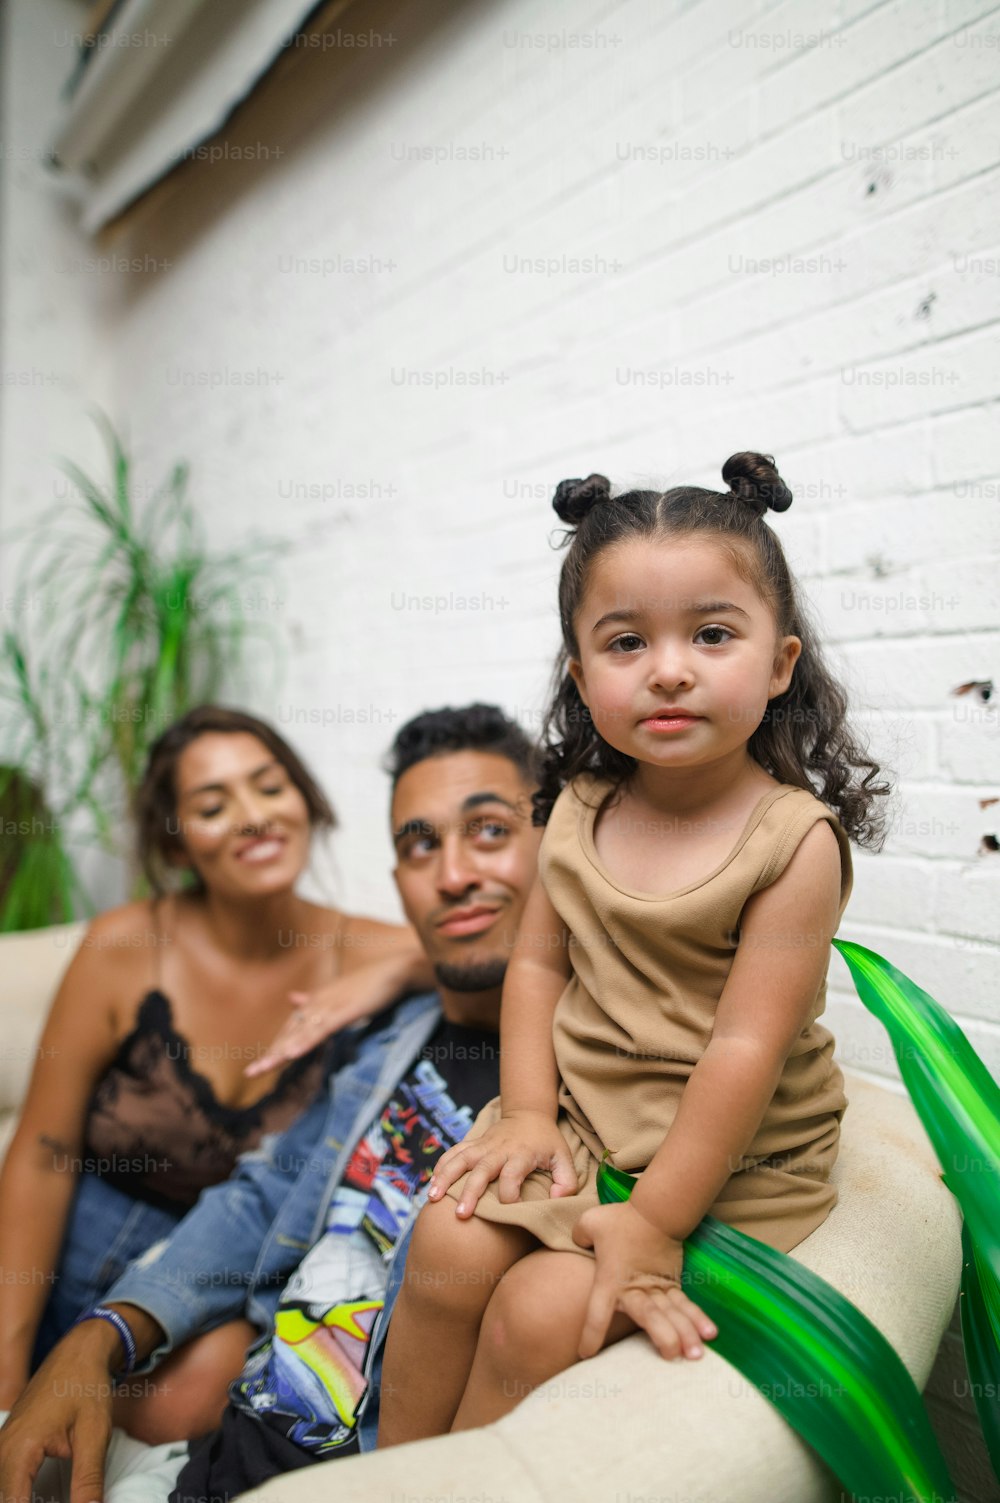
140 1096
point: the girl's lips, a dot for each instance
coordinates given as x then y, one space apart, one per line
670 722
269 848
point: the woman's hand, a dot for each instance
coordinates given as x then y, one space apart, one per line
638 1273
356 994
314 1017
508 1152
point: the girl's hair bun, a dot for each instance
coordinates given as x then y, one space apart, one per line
754 479
574 498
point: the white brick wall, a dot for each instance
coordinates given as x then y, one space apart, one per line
54 362
674 159
771 227
690 154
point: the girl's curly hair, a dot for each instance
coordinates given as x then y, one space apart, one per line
804 738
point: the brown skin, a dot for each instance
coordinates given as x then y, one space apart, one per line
455 850
465 862
227 960
643 647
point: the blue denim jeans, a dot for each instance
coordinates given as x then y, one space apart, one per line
106 1229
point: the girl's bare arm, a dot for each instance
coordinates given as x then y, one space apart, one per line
526 1138
536 978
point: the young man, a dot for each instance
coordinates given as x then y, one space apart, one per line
342 1185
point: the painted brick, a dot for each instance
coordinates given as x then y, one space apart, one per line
967 901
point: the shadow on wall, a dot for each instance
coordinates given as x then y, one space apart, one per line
313 86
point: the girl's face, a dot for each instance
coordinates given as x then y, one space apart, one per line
678 654
243 823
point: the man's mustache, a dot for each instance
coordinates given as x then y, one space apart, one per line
481 900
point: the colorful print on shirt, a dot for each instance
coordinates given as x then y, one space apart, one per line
309 1380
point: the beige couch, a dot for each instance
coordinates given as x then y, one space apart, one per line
627 1427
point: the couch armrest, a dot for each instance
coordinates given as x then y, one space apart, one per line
31 965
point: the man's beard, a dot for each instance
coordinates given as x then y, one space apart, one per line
484 976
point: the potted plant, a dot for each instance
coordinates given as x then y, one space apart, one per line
124 619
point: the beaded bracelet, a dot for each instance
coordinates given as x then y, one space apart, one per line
102 1312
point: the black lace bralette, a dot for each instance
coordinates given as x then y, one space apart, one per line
157 1130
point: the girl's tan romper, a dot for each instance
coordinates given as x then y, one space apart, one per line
658 966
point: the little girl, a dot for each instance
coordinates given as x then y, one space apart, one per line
662 998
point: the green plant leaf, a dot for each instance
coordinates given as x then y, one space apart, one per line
814 1356
958 1102
955 1096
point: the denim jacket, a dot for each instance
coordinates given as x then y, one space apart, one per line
233 1253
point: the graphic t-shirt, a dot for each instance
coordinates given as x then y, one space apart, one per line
309 1380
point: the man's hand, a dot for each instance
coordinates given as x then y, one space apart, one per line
638 1273
65 1410
13 1380
519 1143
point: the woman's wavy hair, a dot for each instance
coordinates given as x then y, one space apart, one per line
804 738
154 805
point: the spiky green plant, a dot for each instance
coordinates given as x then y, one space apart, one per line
958 1102
133 619
37 880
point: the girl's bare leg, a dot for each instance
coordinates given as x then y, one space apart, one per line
186 1395
530 1332
452 1269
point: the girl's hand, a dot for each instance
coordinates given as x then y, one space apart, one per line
508 1152
638 1273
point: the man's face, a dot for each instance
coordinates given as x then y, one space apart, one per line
466 858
